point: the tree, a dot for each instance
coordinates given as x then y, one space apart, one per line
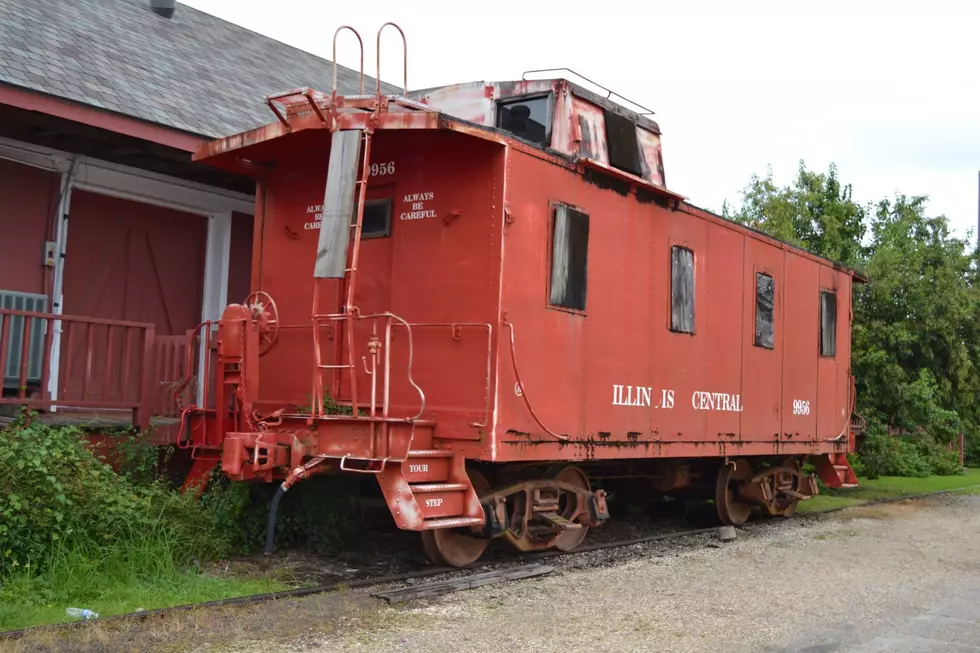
816 212
916 329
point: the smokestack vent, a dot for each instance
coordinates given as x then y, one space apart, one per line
165 8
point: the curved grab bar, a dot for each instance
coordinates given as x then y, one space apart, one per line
404 58
513 358
411 355
360 42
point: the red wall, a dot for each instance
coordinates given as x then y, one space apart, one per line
28 201
132 261
569 363
431 268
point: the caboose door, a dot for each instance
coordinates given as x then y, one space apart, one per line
372 290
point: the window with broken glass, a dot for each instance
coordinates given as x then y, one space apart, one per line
376 221
681 290
569 258
765 295
828 323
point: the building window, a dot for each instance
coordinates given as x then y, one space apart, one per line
681 290
765 295
527 118
624 151
376 222
828 323
569 258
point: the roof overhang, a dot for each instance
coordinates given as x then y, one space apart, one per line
100 118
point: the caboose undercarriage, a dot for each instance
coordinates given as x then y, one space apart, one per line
458 476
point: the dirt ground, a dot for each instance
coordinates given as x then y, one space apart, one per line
838 582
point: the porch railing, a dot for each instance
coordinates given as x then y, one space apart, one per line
101 364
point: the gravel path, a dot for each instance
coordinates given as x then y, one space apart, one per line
831 583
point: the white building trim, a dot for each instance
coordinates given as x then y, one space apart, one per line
125 182
215 299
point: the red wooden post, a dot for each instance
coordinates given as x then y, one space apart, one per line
141 414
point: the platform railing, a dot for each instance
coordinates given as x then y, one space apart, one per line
102 364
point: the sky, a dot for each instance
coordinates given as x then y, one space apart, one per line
888 91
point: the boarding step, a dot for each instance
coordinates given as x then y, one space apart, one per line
425 488
452 522
834 470
430 453
437 500
843 471
427 465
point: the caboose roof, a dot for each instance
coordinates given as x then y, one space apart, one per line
305 110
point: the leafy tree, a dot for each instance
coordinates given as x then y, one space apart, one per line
816 212
916 330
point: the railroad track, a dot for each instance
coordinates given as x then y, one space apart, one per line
458 572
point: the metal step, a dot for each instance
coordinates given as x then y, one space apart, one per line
430 453
424 488
451 522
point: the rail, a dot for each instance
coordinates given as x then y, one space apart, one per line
102 364
609 92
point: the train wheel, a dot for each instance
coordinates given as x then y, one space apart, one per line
730 510
457 547
786 507
570 505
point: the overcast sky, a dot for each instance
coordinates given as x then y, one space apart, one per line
890 91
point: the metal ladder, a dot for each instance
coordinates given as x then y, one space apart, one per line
347 312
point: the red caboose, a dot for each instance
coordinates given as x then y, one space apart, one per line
487 297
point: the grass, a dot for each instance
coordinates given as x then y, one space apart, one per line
115 579
888 487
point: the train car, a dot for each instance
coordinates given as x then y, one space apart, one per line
486 296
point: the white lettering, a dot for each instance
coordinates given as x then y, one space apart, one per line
433 503
418 469
417 202
716 401
801 407
382 169
640 396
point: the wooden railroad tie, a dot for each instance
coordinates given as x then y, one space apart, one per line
438 588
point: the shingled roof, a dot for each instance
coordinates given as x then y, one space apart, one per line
192 72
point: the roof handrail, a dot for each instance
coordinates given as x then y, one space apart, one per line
609 92
360 42
404 57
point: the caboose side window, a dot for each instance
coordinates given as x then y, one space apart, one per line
765 295
527 118
681 289
828 323
624 150
569 258
376 221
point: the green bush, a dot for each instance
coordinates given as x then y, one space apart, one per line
918 455
317 514
54 492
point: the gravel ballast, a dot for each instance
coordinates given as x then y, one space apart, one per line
838 582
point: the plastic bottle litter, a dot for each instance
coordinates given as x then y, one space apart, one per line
82 613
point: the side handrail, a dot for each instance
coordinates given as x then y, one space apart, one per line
520 384
609 92
411 357
404 58
360 43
